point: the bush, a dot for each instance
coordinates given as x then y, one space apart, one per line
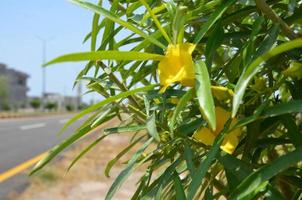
216 87
35 103
69 107
51 106
5 107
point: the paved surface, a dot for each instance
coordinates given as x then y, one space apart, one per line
23 139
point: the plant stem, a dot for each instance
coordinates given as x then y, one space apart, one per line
270 13
114 79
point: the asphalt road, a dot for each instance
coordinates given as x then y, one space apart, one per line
24 139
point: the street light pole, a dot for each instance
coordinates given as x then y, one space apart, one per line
43 75
44 46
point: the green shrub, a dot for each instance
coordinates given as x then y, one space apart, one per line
216 87
35 103
51 106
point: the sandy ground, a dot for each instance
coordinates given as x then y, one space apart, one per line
86 180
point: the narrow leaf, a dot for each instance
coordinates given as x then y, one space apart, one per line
151 127
116 19
214 17
204 93
94 30
180 192
157 23
283 108
104 102
104 55
86 150
254 67
180 106
122 129
205 164
123 152
126 172
57 149
259 177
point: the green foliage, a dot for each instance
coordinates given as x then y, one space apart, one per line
51 106
69 107
35 103
4 93
249 47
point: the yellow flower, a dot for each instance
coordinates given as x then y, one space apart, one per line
294 70
260 85
177 66
222 93
174 100
207 137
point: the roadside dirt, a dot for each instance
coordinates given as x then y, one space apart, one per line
86 180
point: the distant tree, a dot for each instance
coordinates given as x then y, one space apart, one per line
35 103
51 106
69 107
4 106
4 93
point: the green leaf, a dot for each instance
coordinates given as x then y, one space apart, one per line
178 25
104 102
95 29
293 130
157 23
89 35
213 44
204 93
112 162
88 148
294 70
163 179
209 193
122 129
239 170
126 172
283 108
205 164
151 127
213 18
246 189
180 192
57 149
102 116
180 106
116 19
254 67
104 55
269 40
109 28
189 155
273 194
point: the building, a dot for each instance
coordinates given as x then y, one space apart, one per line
62 101
16 83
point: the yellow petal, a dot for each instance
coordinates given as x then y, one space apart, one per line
205 136
222 117
230 141
222 93
177 66
174 100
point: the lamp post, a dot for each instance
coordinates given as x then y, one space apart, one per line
44 46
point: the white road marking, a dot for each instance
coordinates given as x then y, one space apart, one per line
63 121
32 126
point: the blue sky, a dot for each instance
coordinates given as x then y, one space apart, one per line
20 24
